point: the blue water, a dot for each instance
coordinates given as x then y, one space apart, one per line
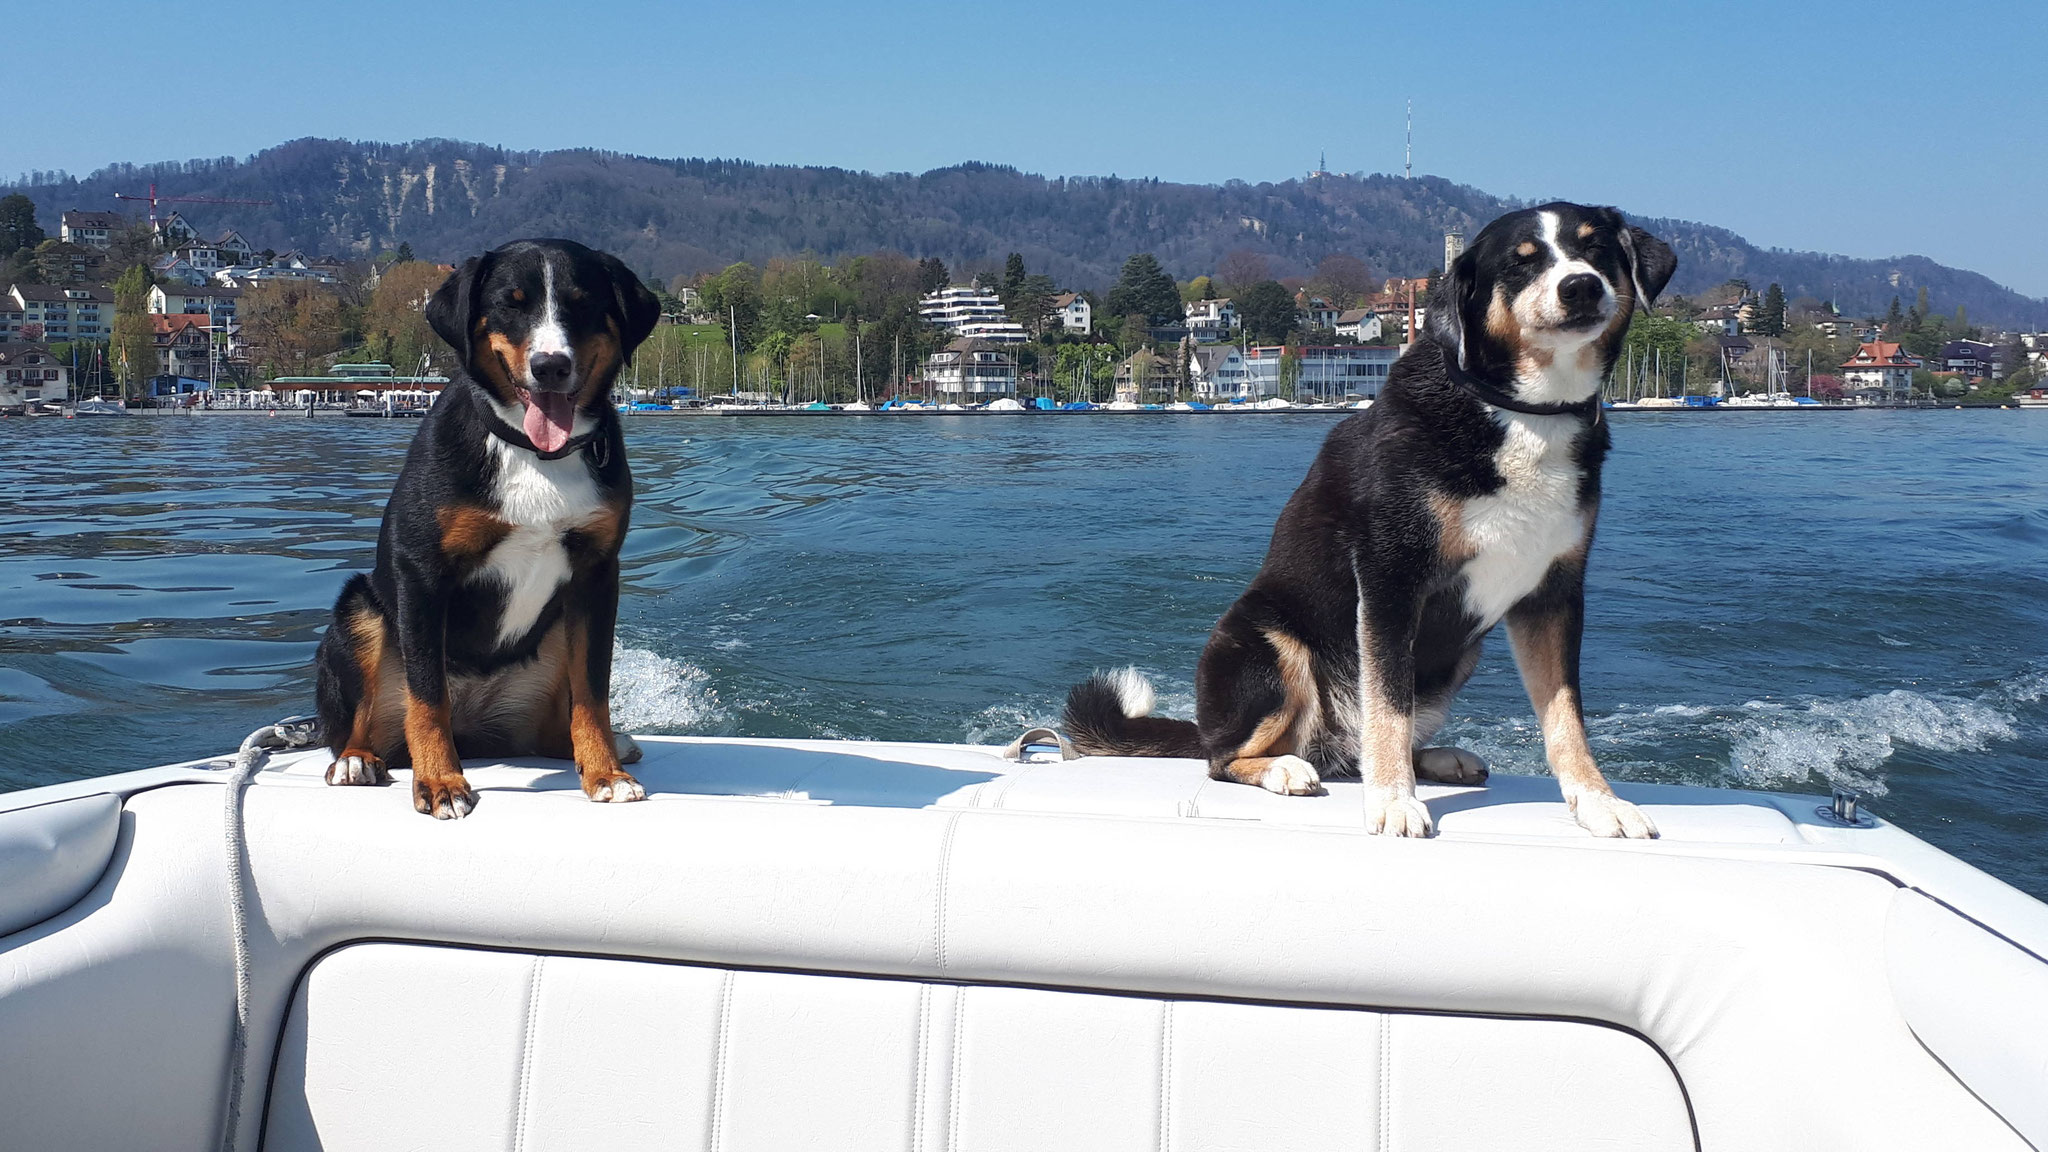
1779 600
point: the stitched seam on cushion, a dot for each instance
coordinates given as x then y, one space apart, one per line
953 1098
945 879
520 1105
918 1100
1386 1082
715 1140
1166 1078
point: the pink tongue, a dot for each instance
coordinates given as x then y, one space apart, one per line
549 417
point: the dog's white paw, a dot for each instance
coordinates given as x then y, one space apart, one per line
628 749
1450 766
1291 776
1604 814
1394 814
620 789
356 769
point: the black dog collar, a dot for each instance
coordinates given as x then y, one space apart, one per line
1488 394
518 439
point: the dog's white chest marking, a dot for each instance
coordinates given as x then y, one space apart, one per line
1519 531
541 499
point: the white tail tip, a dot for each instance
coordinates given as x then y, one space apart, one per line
1133 692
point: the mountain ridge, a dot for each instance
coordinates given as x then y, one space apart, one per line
666 216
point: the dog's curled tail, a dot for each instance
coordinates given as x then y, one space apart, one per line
1110 714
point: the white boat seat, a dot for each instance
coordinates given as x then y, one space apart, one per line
570 1052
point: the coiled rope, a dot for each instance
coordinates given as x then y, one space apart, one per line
290 732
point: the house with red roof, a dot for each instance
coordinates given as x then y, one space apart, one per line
183 343
1880 370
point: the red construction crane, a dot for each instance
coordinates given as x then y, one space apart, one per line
155 199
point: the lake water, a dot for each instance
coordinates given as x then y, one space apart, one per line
1778 600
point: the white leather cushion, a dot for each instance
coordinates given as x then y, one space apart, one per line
1979 1003
414 1046
52 854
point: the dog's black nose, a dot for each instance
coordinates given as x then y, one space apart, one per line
549 368
1581 290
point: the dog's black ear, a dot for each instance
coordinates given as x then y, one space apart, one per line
451 310
1651 261
1447 307
636 308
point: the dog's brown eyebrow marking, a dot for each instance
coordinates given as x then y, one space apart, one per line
1526 248
519 295
1586 230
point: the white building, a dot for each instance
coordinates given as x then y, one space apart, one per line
1327 372
1880 370
1209 321
971 368
30 375
1361 324
1074 312
91 229
63 311
1218 372
973 313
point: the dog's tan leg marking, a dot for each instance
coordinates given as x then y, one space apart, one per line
591 739
1539 642
1386 748
359 762
439 788
1267 757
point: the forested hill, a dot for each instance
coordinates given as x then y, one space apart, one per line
448 199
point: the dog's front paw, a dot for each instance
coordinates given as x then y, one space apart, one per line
1291 776
628 749
618 788
1394 814
1605 814
443 797
1449 766
357 767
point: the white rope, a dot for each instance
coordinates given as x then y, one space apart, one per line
292 732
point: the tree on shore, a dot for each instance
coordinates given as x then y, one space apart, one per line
133 346
289 324
395 323
932 275
733 297
1770 316
1267 311
1342 279
18 227
1144 289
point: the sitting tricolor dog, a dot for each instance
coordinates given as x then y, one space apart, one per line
485 627
1465 496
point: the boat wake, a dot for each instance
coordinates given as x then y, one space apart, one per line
1806 743
654 694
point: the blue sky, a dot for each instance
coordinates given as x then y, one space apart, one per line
1871 129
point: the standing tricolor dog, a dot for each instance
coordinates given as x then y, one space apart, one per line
1465 496
485 627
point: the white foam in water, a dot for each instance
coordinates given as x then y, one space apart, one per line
652 693
1770 744
1847 741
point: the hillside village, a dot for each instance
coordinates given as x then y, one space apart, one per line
160 312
